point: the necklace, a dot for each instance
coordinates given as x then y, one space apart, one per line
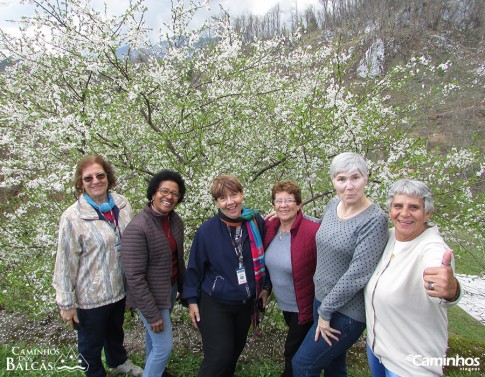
283 232
347 215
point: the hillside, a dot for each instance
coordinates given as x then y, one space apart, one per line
386 33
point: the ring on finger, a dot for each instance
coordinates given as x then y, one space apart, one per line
430 286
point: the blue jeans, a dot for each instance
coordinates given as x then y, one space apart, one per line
377 368
100 328
313 357
158 346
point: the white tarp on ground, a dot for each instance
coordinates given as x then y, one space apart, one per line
473 299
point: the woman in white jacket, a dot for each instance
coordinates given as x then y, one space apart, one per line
407 297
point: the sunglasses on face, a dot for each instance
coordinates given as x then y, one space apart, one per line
99 177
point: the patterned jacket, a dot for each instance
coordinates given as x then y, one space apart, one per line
88 270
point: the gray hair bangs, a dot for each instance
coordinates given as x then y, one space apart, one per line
412 188
347 162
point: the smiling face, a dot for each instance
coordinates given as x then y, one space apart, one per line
408 216
285 210
350 186
166 202
230 203
97 189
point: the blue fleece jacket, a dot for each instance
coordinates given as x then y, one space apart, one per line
213 263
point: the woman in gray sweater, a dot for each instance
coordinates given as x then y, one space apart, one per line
352 235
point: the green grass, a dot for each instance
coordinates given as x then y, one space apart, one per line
467 339
262 357
464 326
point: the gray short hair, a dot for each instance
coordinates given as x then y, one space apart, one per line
347 162
413 188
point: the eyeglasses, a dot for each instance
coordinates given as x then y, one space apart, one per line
287 201
99 177
165 192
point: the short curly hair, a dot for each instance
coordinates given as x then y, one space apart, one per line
166 175
286 186
88 161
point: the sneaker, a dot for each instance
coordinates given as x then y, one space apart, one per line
127 368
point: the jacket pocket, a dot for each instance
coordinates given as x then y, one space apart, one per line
217 285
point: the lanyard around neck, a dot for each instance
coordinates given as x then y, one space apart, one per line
237 243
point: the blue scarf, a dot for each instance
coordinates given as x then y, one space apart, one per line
103 208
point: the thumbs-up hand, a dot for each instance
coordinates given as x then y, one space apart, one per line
440 281
447 256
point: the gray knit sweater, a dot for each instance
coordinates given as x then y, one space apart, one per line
347 254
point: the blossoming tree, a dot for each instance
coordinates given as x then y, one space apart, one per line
264 111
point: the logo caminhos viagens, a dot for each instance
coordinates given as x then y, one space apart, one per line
464 363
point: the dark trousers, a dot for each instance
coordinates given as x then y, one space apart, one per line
224 330
294 338
98 328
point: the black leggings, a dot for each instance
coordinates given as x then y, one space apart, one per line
224 330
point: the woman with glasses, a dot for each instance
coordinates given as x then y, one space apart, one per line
224 277
153 259
88 276
350 240
290 258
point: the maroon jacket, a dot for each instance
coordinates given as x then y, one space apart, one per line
303 260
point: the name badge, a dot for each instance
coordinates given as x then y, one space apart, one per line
241 276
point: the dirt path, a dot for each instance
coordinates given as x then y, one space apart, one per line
18 329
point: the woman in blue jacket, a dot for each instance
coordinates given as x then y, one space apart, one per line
224 276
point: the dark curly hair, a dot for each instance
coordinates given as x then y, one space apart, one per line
166 175
90 160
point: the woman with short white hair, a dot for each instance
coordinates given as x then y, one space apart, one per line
407 297
352 235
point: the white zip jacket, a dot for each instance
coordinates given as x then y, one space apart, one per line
88 270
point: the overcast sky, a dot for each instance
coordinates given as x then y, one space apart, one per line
159 10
